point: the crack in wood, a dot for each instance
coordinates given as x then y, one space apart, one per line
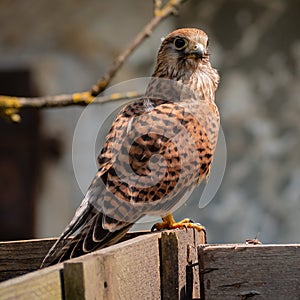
233 285
207 270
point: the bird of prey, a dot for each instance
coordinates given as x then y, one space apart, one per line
158 149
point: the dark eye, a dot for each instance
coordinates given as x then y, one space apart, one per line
180 43
207 43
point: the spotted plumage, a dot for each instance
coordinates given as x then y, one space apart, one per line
159 148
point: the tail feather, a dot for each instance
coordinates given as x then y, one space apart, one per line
81 217
91 236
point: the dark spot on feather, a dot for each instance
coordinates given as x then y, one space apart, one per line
208 155
146 137
203 166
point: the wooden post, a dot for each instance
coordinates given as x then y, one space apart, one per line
179 264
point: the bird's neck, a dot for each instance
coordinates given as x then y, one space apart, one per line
203 80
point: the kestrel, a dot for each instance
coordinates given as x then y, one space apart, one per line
158 149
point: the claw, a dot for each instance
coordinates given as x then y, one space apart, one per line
169 223
153 228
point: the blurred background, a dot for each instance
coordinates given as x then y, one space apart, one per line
55 47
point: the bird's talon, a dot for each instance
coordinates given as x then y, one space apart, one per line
169 223
156 227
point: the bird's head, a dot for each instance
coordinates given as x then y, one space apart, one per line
183 57
181 51
186 43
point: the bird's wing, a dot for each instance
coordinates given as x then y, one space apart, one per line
95 228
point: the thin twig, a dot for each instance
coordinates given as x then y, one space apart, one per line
10 106
83 99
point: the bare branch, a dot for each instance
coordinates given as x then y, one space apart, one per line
10 106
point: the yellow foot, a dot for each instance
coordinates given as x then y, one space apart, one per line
169 223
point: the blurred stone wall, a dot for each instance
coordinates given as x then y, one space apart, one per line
256 47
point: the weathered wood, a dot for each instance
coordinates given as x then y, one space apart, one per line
129 270
179 268
43 284
250 271
188 258
120 272
154 266
169 265
20 257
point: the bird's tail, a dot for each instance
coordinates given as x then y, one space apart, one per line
93 234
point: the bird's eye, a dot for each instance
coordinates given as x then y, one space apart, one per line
207 43
180 43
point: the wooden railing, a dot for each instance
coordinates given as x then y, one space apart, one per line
164 265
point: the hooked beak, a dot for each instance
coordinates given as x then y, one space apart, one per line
196 51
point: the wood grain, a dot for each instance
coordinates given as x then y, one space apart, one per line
179 264
43 284
20 257
250 271
169 265
188 241
129 270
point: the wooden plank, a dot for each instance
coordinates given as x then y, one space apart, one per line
20 257
43 284
250 271
179 267
128 270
